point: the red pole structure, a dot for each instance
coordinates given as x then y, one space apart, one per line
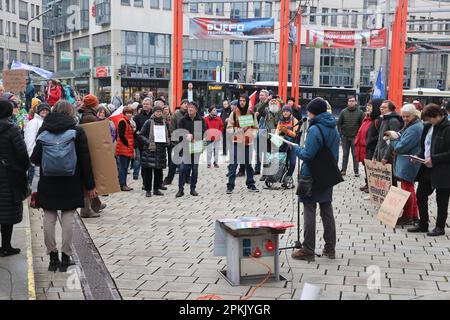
282 63
177 85
286 48
394 55
401 64
296 55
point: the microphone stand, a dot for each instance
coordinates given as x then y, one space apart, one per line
299 137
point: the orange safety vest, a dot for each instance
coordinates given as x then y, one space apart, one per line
121 149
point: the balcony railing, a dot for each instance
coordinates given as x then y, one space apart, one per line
103 13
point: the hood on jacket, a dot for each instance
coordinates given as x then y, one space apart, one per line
157 120
5 125
87 110
57 122
326 119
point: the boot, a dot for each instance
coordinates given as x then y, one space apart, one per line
65 263
87 211
157 193
180 193
303 254
148 194
96 204
54 262
329 252
6 252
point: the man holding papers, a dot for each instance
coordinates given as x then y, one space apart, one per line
242 127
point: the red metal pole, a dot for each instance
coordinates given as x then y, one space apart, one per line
177 85
296 58
282 62
401 64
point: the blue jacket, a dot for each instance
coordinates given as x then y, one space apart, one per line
408 144
313 144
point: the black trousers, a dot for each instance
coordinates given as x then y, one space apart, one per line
172 166
6 230
424 190
147 176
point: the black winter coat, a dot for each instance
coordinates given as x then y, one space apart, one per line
64 193
440 154
14 164
153 159
372 138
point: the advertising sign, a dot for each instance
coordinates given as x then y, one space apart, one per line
229 29
374 39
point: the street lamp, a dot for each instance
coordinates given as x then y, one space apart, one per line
56 8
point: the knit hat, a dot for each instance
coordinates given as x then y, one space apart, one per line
90 101
6 108
43 106
286 108
317 106
157 108
35 102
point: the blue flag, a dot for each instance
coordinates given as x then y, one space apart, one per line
42 72
378 92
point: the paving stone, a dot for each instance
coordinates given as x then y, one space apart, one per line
184 287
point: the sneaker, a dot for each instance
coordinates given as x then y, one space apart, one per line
90 214
179 194
148 194
229 191
208 166
216 165
436 232
252 189
157 193
125 188
303 254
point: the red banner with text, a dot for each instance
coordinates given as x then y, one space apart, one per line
374 39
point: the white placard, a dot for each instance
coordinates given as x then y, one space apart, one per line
310 292
160 134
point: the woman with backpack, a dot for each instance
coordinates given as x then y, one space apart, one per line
14 164
64 177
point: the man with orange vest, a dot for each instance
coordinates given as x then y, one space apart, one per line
125 146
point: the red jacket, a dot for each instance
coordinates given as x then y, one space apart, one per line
213 123
360 141
53 95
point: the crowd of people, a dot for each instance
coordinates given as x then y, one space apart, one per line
148 139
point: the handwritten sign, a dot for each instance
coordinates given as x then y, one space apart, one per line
246 121
379 179
392 206
15 80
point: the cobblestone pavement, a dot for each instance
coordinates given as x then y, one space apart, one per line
161 247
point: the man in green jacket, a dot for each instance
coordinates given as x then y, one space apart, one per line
348 125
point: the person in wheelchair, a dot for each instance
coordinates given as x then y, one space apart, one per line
287 128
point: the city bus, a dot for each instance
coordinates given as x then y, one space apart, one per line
426 95
219 91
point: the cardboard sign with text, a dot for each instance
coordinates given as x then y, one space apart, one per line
379 179
103 162
15 80
392 206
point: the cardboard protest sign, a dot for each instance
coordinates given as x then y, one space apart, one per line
379 179
101 150
15 80
392 206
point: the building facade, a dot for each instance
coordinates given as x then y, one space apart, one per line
118 47
14 16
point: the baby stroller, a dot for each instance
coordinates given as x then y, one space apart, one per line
278 160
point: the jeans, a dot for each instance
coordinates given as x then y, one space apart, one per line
291 161
424 190
329 226
137 162
36 177
213 147
124 163
232 167
347 144
147 177
50 218
258 154
187 167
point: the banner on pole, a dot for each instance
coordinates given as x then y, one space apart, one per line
373 39
17 65
232 29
